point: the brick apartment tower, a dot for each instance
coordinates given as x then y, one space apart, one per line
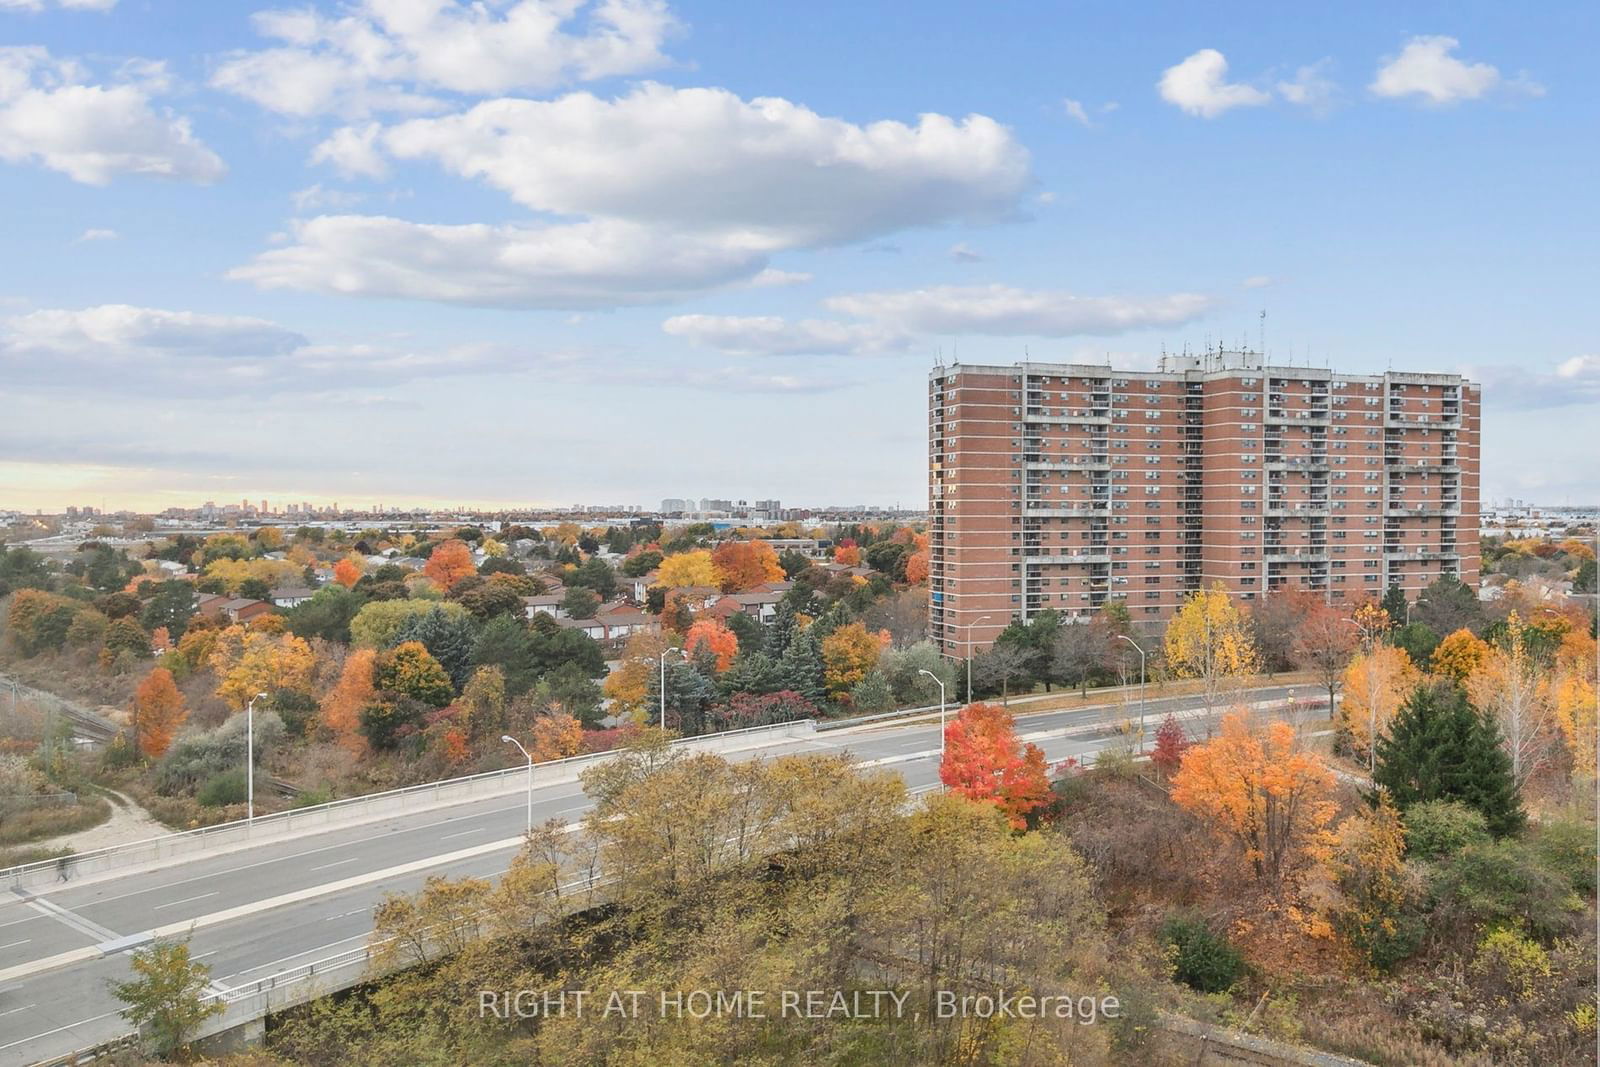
1066 485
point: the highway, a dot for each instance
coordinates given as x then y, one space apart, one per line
280 903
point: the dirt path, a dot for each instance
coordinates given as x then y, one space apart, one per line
128 822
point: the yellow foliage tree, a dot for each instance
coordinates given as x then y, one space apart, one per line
1264 791
1376 683
689 569
1575 711
848 654
1513 686
555 737
247 663
1209 639
235 572
1458 655
629 685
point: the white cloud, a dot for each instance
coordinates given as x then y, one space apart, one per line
315 196
1311 88
1005 311
1075 111
962 252
1426 68
353 151
51 116
1198 86
391 55
97 235
1257 281
766 172
1518 388
578 265
774 336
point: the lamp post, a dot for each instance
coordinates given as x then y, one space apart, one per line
664 653
1411 604
940 683
970 625
249 758
1135 644
514 741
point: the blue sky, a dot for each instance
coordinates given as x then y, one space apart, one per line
548 252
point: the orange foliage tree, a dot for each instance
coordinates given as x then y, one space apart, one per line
848 654
629 685
158 711
1575 670
984 761
715 635
1375 685
1459 655
743 565
347 572
917 567
848 553
247 663
555 737
341 708
449 563
1264 791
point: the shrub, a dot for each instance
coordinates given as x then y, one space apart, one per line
223 789
1440 828
1201 959
1567 847
1499 882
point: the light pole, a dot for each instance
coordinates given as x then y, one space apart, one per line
249 757
940 683
970 625
664 653
514 741
1135 644
1411 604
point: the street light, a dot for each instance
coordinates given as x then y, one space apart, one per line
970 625
1412 604
1135 644
249 757
514 741
940 683
664 653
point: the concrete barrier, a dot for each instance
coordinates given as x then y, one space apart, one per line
352 811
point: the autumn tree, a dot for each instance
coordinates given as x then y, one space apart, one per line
1262 790
247 663
555 737
714 635
166 995
483 704
1575 669
1171 743
1513 686
848 653
1210 640
347 572
847 553
1459 656
985 761
1374 912
408 670
448 563
743 565
1376 684
158 712
686 569
629 685
341 707
917 567
1323 644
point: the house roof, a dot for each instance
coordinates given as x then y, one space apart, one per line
291 592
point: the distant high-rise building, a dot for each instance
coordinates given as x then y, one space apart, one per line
1070 486
675 504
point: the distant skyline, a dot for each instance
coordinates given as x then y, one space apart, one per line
445 253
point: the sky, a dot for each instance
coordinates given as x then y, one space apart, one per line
544 252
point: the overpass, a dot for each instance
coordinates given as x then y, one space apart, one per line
284 906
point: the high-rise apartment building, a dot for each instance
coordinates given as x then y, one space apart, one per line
1064 486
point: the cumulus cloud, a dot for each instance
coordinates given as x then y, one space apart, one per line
395 55
1517 388
1005 311
1311 88
775 336
772 172
1199 86
1426 68
1075 111
51 115
772 277
676 191
577 265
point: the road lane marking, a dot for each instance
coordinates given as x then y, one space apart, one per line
337 863
464 833
57 1030
293 956
185 900
14 944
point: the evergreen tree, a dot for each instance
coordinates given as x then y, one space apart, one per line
1394 602
752 672
1440 748
782 629
872 693
801 666
750 633
448 639
689 694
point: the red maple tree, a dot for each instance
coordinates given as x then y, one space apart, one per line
1170 745
985 761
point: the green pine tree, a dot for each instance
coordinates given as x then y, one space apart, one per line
1440 748
1394 602
801 666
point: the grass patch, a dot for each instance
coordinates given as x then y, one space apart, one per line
16 857
37 824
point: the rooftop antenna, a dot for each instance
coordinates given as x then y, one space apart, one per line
1261 334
